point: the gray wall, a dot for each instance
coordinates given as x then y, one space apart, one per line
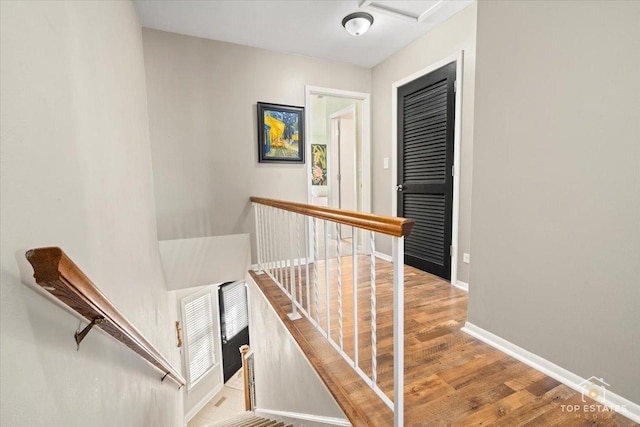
457 33
285 379
556 203
76 173
202 117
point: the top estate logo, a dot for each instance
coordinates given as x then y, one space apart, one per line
594 388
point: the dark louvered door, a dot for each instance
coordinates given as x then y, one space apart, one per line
425 165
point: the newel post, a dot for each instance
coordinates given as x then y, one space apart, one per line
244 351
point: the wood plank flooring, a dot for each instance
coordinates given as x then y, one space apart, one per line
451 378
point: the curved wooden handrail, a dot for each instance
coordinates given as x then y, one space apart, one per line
57 274
393 226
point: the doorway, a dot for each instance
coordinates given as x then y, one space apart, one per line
339 172
323 106
234 325
426 109
343 147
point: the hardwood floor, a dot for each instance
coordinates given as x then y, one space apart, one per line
451 378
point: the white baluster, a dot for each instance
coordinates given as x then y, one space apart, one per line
269 228
275 245
316 294
354 267
374 341
281 256
292 276
306 262
256 214
283 251
260 239
263 239
299 258
398 331
326 277
339 259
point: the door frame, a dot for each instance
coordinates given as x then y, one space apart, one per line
365 119
335 148
455 215
351 109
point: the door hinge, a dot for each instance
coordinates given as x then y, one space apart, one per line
453 170
455 85
451 250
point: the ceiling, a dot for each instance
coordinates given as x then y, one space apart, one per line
305 27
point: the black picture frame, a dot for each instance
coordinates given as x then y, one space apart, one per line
280 133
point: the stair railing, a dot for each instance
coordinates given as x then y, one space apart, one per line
57 274
248 375
300 247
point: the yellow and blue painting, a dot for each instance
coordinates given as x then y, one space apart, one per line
281 138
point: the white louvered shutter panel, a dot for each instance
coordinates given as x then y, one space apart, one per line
236 316
198 313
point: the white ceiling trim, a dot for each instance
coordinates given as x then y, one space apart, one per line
397 13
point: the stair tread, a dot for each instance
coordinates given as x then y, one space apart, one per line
263 423
249 419
237 421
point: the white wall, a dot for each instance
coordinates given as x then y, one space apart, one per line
202 113
277 358
201 261
76 173
556 184
456 34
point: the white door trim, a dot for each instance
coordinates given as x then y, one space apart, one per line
458 57
365 118
351 109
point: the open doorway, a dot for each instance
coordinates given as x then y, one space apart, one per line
338 176
342 147
338 141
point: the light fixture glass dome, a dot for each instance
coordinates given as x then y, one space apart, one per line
357 23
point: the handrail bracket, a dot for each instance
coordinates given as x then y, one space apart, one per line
79 335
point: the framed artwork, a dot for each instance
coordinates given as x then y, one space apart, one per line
280 133
318 164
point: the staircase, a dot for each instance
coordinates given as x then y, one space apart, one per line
250 420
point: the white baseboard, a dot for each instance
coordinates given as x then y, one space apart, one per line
193 412
614 401
461 285
296 416
383 256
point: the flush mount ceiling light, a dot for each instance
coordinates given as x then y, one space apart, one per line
357 23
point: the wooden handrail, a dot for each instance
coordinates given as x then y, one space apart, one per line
393 226
57 274
244 351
